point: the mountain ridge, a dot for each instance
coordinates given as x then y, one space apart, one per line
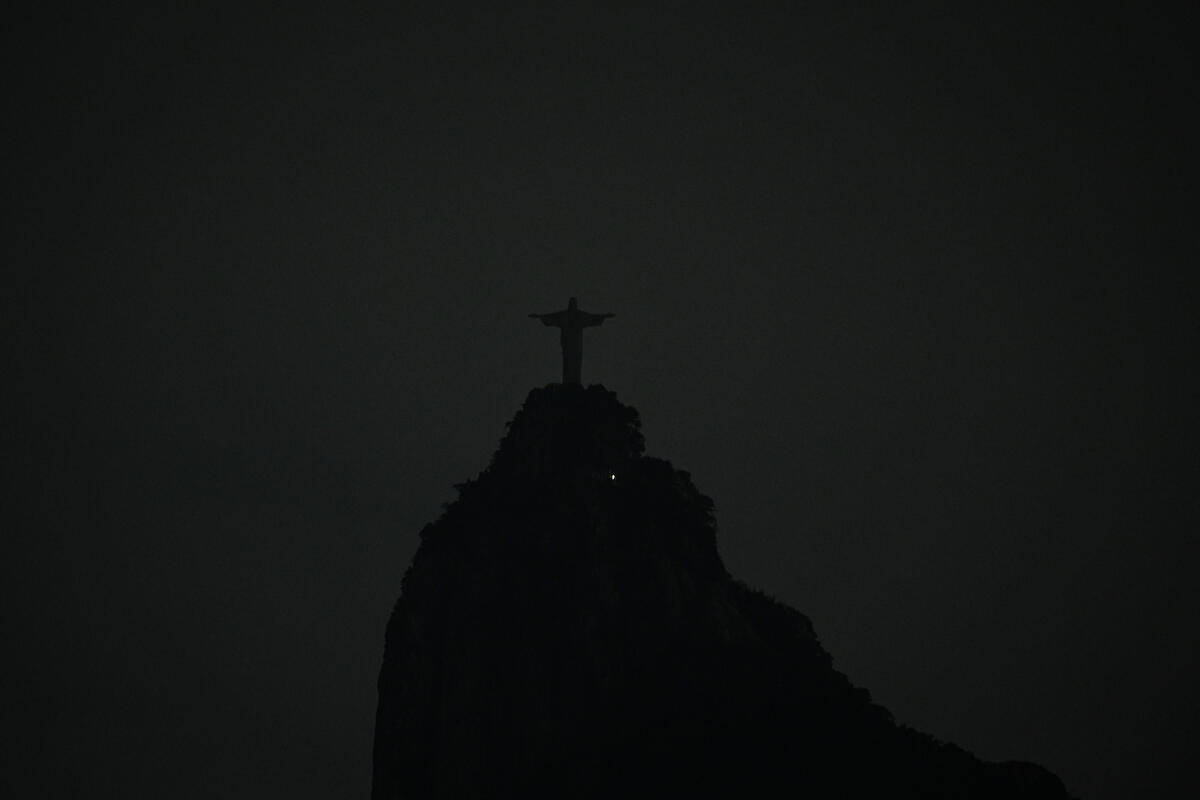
568 625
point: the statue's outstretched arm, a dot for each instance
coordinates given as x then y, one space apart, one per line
596 319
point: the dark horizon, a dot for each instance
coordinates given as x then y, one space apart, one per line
908 292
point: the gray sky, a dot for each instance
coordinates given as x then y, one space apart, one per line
907 292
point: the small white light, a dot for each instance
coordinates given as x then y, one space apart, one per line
612 476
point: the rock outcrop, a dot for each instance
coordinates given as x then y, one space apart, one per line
567 626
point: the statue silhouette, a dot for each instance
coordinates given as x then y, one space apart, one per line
571 323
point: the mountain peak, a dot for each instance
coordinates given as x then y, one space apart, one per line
565 433
567 625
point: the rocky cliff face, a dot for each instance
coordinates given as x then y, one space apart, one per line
567 626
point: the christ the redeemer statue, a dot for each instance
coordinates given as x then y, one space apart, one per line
571 323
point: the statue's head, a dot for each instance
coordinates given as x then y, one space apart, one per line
572 305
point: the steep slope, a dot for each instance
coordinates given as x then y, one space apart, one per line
568 626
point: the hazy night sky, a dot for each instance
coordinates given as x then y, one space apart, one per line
906 291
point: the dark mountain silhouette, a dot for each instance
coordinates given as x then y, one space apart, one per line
567 626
